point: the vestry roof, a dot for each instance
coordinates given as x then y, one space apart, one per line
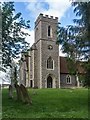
64 66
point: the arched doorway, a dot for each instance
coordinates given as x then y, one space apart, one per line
49 82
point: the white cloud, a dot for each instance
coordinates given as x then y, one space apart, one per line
56 8
60 52
30 39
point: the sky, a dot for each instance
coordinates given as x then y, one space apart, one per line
57 8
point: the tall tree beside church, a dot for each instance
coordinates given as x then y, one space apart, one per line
13 35
75 40
13 39
83 10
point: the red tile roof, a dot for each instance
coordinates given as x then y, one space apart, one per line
64 66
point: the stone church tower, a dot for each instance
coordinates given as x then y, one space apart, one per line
46 68
42 68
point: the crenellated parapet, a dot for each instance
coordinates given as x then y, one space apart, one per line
48 18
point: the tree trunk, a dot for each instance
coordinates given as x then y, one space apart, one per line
19 93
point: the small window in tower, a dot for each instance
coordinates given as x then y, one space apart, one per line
31 83
50 47
49 31
50 63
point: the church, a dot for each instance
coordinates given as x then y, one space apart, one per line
41 66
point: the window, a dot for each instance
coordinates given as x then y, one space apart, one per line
49 31
68 79
50 63
31 83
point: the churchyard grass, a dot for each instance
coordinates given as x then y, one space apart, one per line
48 103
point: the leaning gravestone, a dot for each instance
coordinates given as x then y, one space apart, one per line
25 94
10 91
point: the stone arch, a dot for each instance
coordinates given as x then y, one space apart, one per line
50 81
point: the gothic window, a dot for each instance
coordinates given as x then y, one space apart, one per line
49 31
50 63
68 79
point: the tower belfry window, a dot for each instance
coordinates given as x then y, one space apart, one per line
49 31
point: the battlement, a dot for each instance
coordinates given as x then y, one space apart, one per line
46 18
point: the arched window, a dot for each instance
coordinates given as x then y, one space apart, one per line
49 31
50 63
68 79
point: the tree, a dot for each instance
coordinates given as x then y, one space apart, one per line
13 43
83 9
75 40
13 37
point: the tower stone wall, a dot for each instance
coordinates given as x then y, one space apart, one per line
43 41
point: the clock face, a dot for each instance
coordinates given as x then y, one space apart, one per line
50 47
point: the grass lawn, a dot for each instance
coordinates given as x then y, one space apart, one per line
48 103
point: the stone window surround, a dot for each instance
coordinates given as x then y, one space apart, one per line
68 79
50 31
46 64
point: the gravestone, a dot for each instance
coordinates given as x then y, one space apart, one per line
10 91
25 94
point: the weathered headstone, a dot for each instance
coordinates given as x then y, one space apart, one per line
10 91
25 94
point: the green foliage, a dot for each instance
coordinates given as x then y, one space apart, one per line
69 41
82 79
82 9
71 66
75 39
87 77
13 36
48 103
